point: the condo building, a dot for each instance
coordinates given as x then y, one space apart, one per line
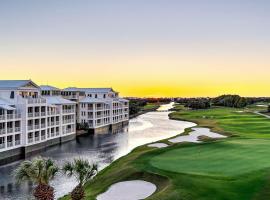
29 121
100 108
34 117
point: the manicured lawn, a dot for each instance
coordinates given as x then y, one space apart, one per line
236 168
151 106
220 159
231 121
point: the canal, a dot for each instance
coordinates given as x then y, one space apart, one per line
102 149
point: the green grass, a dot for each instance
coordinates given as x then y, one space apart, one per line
236 168
151 106
225 159
229 121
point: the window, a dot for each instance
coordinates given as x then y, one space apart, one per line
95 95
12 95
104 96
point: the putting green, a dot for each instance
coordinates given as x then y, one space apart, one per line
226 159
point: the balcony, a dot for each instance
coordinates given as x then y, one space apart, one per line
36 139
37 126
43 125
99 108
17 142
57 123
2 146
43 137
2 117
43 114
30 140
30 127
57 133
9 144
10 130
37 114
2 131
17 129
52 123
68 121
30 114
68 111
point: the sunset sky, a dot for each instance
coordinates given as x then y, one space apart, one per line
139 47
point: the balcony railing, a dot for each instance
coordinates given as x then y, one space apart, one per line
57 123
37 114
57 133
17 142
2 117
43 114
37 126
30 140
43 137
2 131
10 130
30 114
17 129
9 144
36 100
69 111
30 127
36 139
43 125
2 146
53 112
68 121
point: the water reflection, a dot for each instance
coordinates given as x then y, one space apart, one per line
102 148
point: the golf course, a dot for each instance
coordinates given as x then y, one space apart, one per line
235 168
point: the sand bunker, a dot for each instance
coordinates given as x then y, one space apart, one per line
129 190
193 136
158 145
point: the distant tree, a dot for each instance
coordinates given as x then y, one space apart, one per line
199 103
40 171
234 101
83 171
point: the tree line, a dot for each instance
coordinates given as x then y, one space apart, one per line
233 101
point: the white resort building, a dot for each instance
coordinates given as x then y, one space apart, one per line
34 117
100 108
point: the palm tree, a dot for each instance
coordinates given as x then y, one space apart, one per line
40 171
83 171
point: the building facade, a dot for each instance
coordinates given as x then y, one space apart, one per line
99 108
34 117
29 121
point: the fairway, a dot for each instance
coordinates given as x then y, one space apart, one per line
227 158
244 124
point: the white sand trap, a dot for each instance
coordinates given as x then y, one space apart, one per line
129 190
239 111
193 136
158 145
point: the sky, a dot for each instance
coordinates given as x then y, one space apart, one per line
145 48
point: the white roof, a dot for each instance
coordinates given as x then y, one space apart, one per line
94 100
58 100
15 84
89 90
48 87
6 105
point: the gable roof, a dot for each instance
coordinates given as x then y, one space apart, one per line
15 84
57 100
48 87
90 90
